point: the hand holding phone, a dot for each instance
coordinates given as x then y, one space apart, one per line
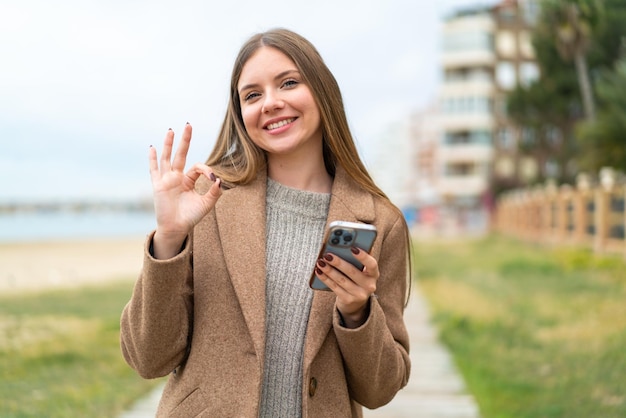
340 237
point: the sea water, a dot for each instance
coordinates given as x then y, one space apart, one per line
45 226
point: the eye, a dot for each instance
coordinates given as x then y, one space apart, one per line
290 83
250 96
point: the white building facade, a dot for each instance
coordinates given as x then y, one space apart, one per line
467 122
470 143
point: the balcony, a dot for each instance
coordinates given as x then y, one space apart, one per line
467 121
468 41
475 58
462 185
468 87
465 153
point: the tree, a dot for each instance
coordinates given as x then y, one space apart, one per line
605 138
571 25
555 101
550 104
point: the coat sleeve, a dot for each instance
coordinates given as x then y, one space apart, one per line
155 323
376 355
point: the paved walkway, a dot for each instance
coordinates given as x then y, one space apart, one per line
435 389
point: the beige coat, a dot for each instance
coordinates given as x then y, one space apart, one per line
200 316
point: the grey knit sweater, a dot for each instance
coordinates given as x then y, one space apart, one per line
295 228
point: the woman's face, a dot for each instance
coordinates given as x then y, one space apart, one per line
277 107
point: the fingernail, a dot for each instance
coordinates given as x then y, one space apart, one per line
169 129
150 146
321 263
328 257
355 250
212 177
187 123
318 271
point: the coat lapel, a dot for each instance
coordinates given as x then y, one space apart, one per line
240 214
349 202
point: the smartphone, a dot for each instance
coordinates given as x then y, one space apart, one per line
339 238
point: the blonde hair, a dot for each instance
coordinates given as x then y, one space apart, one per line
236 159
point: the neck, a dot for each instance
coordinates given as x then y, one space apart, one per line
302 173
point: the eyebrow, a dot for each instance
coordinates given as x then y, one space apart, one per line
278 76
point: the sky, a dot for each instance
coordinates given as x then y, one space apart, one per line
86 86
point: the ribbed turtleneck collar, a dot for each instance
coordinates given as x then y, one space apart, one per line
309 204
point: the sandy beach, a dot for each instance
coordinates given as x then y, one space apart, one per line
68 263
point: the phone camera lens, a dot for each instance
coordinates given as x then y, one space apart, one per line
347 238
338 232
334 240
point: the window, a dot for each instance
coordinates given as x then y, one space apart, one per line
479 74
528 137
481 137
529 169
505 138
505 167
453 75
464 41
466 105
507 14
455 138
505 75
528 73
525 45
483 105
531 11
468 137
553 136
460 169
551 168
468 74
500 105
505 42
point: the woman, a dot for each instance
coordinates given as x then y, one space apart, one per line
223 303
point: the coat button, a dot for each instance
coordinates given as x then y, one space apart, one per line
312 386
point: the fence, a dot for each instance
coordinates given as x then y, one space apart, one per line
592 215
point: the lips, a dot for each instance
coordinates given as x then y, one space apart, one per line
279 124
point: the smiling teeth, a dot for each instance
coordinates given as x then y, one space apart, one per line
279 124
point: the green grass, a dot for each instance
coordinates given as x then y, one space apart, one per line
537 332
60 354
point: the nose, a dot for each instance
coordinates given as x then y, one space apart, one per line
272 101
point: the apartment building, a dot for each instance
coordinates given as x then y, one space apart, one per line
485 52
465 152
515 65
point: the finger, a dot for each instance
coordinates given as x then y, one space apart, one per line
341 265
152 163
327 280
348 292
194 174
360 280
214 192
335 275
180 158
370 265
167 151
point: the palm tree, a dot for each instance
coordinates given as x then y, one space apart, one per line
571 24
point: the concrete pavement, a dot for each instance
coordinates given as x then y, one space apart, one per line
435 389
